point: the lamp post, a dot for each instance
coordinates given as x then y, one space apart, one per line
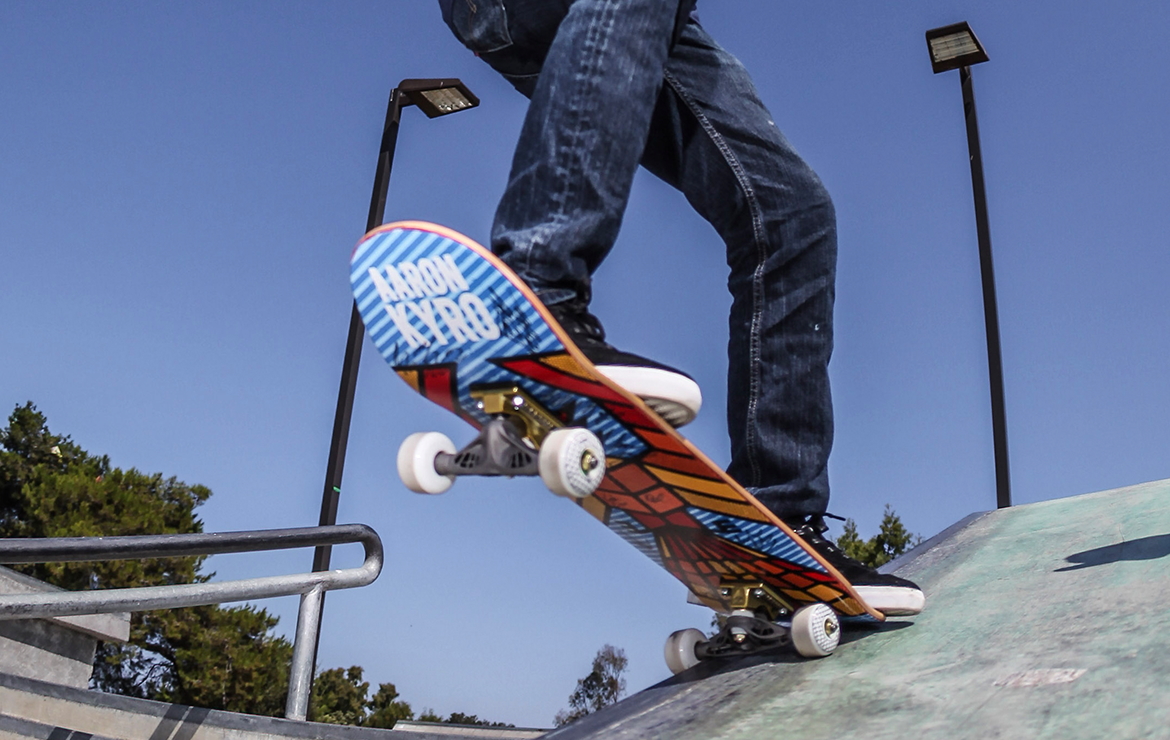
434 98
956 47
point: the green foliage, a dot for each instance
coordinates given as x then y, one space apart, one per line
203 656
50 487
458 718
892 540
603 686
386 709
339 697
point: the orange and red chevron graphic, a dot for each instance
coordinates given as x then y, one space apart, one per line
665 489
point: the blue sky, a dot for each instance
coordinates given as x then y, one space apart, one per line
181 185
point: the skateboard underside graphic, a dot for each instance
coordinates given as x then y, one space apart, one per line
467 334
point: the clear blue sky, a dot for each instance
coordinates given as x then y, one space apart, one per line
181 185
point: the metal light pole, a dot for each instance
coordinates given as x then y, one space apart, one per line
434 98
956 47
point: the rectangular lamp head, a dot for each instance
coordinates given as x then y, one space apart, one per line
438 97
954 46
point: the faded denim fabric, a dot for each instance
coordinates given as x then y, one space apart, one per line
618 83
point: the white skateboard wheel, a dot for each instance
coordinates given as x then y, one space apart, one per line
816 631
572 462
416 462
680 650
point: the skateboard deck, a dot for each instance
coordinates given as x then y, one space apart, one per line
451 318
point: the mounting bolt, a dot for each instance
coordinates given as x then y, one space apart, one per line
725 591
758 593
830 627
517 401
589 462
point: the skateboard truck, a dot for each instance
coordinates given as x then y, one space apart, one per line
752 625
755 597
521 437
513 403
755 625
509 443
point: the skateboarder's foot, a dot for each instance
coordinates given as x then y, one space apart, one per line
889 594
673 394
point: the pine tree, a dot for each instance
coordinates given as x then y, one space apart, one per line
604 685
892 540
386 709
204 656
339 697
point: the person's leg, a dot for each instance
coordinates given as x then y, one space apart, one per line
593 69
713 138
581 142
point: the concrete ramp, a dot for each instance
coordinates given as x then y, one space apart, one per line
1050 620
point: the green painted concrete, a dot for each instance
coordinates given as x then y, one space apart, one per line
1050 620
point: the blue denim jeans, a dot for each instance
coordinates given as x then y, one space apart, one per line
618 83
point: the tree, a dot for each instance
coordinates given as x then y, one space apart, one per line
459 718
603 686
386 709
204 656
339 697
892 540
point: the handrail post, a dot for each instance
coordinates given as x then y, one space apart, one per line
300 677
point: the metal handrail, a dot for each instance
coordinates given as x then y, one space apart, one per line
311 586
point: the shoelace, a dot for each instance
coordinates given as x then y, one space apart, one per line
811 531
577 320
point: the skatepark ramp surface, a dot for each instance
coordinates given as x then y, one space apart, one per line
1048 620
38 710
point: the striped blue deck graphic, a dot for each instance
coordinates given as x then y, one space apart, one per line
427 299
630 530
759 536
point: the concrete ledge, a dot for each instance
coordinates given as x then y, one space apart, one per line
107 627
476 731
57 649
12 728
126 718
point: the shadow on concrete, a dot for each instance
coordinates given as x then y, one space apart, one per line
1145 548
709 668
179 723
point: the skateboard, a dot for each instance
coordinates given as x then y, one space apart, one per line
465 332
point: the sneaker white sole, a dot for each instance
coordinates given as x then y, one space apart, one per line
676 398
893 601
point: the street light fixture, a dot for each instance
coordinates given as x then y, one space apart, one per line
957 47
954 46
437 97
434 98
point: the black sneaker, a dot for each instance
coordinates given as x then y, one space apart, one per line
673 394
889 594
